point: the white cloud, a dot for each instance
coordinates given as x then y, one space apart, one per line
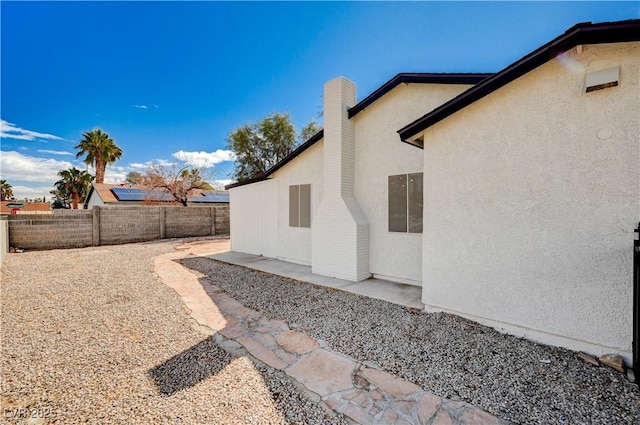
18 167
139 106
115 175
21 192
10 131
205 159
145 165
138 165
54 152
220 184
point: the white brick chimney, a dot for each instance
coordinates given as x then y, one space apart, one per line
340 230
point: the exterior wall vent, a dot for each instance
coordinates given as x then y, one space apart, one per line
598 80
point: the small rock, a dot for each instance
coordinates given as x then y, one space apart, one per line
545 361
360 382
614 361
588 359
631 376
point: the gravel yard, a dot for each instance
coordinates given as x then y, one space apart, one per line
92 336
515 379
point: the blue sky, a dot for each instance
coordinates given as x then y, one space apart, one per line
170 80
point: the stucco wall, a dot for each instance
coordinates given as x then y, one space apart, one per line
294 243
4 238
254 218
94 201
380 154
531 198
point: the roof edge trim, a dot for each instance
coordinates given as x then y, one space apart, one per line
583 33
420 78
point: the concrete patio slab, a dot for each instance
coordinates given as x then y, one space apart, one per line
393 292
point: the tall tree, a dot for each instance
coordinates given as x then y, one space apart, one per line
6 190
309 130
175 180
60 200
98 150
259 146
74 184
134 177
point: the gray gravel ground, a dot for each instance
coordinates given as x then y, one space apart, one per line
513 378
92 336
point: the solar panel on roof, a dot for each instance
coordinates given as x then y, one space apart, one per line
133 194
127 194
210 197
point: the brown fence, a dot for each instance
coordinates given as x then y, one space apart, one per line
115 225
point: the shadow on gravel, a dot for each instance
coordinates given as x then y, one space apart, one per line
516 379
190 367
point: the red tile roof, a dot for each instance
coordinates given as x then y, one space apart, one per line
35 207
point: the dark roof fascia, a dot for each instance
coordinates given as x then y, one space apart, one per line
84 204
238 184
421 78
297 151
583 33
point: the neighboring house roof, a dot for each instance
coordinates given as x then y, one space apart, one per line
402 78
583 33
128 193
34 207
104 191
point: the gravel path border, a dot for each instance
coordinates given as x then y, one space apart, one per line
93 336
516 379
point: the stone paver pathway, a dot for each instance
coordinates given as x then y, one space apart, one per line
362 393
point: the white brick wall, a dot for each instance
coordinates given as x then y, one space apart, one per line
340 230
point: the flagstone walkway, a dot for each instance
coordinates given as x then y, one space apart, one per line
361 392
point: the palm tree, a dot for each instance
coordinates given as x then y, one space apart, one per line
74 184
99 150
6 191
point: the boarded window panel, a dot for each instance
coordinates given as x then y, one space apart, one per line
415 202
398 203
305 205
294 206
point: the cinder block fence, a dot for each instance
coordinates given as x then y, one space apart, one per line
115 225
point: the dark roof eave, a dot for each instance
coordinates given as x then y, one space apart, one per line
584 33
421 78
84 204
297 151
242 183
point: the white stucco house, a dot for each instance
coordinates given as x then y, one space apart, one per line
510 198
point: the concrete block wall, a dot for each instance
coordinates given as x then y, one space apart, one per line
222 219
182 222
60 230
128 224
114 225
